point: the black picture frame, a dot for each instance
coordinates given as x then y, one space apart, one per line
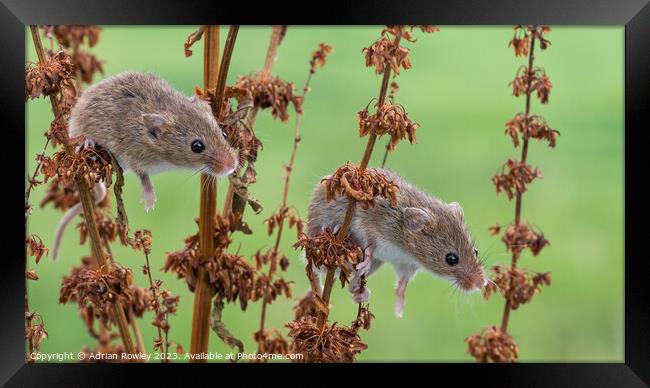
633 14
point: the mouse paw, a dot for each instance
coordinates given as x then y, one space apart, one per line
87 144
361 296
363 268
148 199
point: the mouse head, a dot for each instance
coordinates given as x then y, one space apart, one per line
187 135
442 244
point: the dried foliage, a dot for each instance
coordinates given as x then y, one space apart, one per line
330 344
326 250
282 214
92 165
389 119
534 127
53 78
191 39
515 180
306 307
271 342
532 80
359 185
522 236
106 351
231 276
61 196
35 247
35 333
97 290
517 285
319 57
72 38
493 345
271 93
388 53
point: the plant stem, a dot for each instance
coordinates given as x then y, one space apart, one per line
524 154
86 198
343 231
283 207
234 202
155 296
214 77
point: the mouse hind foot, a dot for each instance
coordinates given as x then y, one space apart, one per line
87 144
148 197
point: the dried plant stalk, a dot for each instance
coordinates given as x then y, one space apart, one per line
236 199
214 77
278 220
86 198
517 285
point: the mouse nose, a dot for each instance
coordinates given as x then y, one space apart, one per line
226 165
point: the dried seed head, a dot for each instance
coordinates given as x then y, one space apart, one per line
331 344
492 345
326 250
517 285
362 186
389 119
271 93
519 175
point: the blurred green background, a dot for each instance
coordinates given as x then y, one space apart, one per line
458 91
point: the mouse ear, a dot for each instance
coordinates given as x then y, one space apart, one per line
416 218
203 103
154 123
457 210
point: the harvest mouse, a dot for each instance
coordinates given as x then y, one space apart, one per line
421 232
149 127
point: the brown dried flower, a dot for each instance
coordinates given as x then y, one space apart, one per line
518 238
51 78
271 343
384 53
492 345
35 247
35 332
532 127
92 165
73 36
231 275
62 196
519 175
319 56
528 81
326 250
271 93
99 289
517 285
306 307
363 187
331 344
391 119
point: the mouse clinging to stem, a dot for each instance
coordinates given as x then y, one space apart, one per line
149 127
421 232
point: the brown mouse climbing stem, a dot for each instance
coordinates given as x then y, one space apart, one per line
86 198
214 77
343 231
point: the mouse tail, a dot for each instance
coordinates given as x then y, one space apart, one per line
74 211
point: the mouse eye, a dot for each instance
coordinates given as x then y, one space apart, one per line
451 258
225 135
198 146
475 251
